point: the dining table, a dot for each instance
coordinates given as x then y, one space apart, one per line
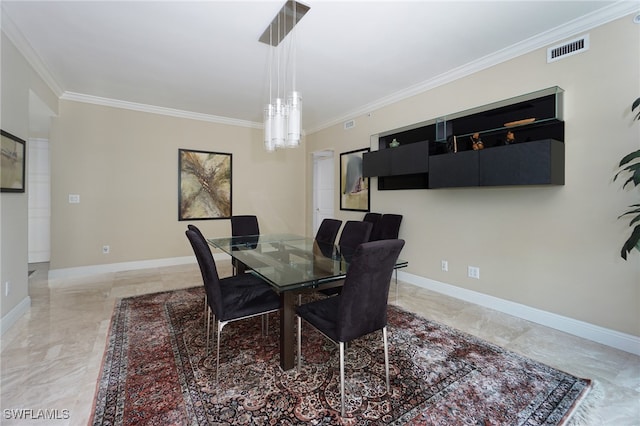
291 264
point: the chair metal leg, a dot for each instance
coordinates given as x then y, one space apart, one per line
206 306
299 343
341 344
386 355
396 273
220 325
208 327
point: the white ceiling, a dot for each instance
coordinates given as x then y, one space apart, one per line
353 56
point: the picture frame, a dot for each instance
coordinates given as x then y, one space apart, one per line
204 185
12 157
354 187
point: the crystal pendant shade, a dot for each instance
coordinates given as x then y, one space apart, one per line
283 116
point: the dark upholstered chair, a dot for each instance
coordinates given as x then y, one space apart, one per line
387 228
233 298
243 226
353 234
373 218
328 231
199 233
361 308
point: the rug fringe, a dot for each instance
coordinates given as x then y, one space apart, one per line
584 415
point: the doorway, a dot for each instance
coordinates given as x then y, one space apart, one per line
323 187
39 181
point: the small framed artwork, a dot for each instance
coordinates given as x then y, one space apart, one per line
354 187
12 164
204 185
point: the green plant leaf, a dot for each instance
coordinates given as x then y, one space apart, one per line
632 242
631 156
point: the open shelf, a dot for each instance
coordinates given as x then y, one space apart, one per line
439 153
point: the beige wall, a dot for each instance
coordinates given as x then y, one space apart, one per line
18 80
123 164
552 248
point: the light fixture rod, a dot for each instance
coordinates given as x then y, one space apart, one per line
290 14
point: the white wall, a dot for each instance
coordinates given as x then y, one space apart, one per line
18 80
124 166
551 248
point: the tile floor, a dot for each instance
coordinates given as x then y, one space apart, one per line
51 358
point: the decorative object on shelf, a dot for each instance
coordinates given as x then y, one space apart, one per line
354 187
204 185
282 119
511 138
394 143
631 164
519 122
12 163
476 142
452 144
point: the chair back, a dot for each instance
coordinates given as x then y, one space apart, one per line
328 231
209 271
372 217
387 228
363 302
353 234
244 225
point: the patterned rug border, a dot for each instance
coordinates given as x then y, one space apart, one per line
577 414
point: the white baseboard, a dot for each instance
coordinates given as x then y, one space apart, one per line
7 321
615 339
82 271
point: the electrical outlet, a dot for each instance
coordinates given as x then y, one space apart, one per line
444 265
473 272
105 249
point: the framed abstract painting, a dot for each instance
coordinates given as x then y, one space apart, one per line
354 187
12 165
204 185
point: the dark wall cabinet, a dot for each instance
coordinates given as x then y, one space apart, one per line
402 160
523 144
528 163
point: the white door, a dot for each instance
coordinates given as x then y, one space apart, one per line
39 184
323 187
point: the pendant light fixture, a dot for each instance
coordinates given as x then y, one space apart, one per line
283 113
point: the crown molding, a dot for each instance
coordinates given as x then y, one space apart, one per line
595 19
13 33
115 103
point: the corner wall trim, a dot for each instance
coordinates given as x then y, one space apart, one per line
605 336
7 321
82 271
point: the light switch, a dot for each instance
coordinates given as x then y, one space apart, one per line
74 198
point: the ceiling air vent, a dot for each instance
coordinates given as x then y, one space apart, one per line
567 49
349 124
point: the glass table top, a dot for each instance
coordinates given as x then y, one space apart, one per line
289 261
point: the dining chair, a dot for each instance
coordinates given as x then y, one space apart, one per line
233 298
373 218
201 236
328 231
353 234
361 308
387 228
243 226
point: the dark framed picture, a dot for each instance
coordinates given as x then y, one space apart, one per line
354 187
204 185
12 163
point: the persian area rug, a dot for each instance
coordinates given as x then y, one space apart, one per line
156 370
